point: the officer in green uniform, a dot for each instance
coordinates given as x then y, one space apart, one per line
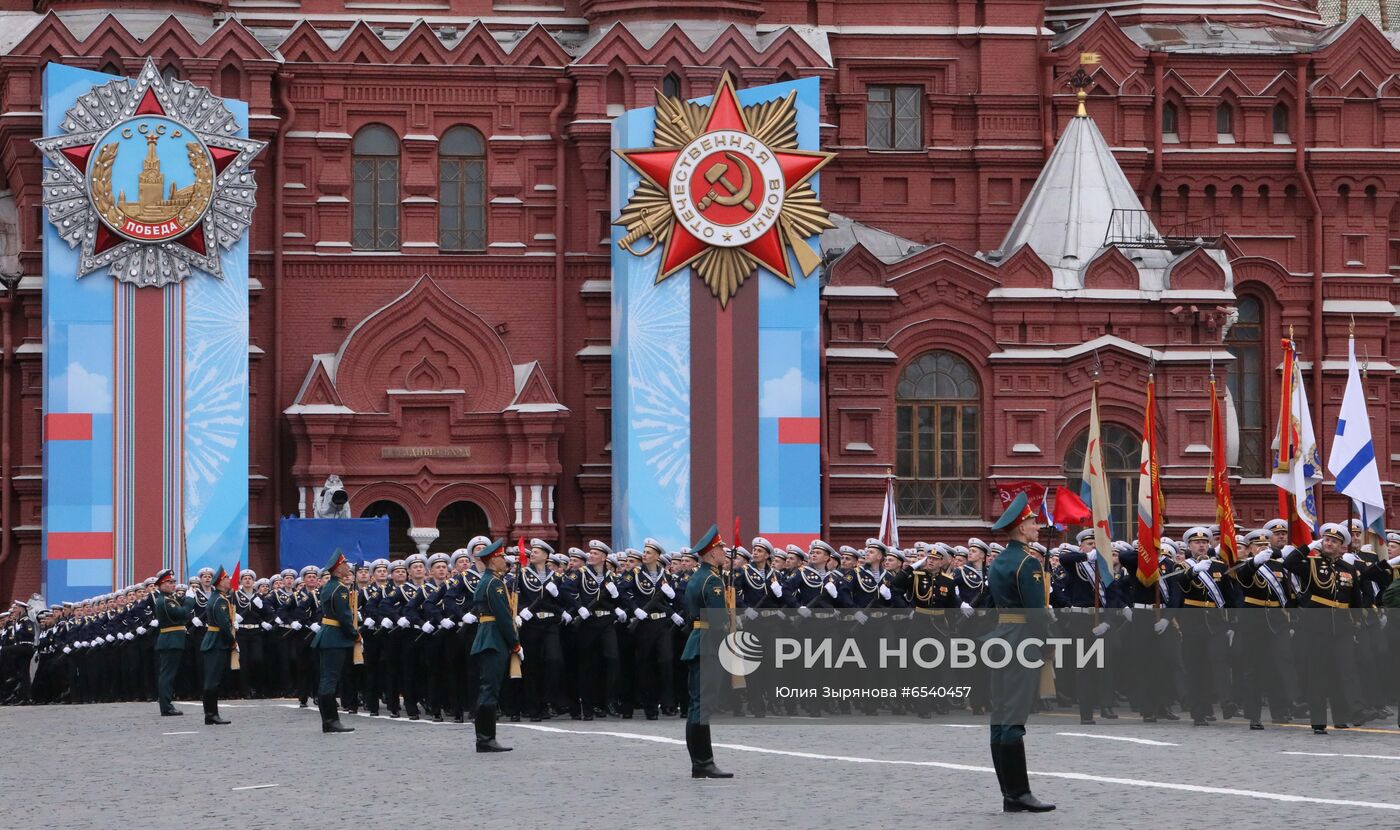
333 642
218 642
496 640
704 597
1019 588
171 616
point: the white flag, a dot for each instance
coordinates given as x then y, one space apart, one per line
889 521
1303 469
1353 457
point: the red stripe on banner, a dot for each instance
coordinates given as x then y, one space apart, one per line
76 545
704 480
68 426
782 540
799 430
148 429
724 416
744 359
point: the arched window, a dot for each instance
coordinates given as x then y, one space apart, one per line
671 85
376 194
1281 122
1225 123
400 544
1169 119
1246 384
458 523
462 179
1122 454
937 436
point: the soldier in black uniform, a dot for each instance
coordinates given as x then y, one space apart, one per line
461 665
1203 627
932 592
651 599
1087 617
595 597
1263 634
1147 625
436 628
541 608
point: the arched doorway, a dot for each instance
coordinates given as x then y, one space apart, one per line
1122 452
399 543
458 523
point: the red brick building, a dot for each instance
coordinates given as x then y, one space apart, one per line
430 310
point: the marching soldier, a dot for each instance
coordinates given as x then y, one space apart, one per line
217 646
595 594
541 609
437 631
652 599
1020 590
1083 589
334 640
371 637
171 616
704 596
496 640
1263 634
1203 630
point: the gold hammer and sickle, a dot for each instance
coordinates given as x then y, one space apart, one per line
737 195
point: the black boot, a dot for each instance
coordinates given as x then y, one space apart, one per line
702 754
330 715
996 763
1017 798
211 710
486 731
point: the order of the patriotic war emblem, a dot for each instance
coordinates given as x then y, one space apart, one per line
149 179
725 190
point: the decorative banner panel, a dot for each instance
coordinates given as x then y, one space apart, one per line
149 194
716 381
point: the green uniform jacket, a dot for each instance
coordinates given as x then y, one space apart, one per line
337 626
171 616
497 634
219 617
1016 581
703 593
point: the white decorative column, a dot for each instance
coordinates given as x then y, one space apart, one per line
423 537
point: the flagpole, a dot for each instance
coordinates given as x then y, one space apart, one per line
1098 577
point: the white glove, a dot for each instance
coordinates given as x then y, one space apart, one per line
67 650
110 638
1264 556
919 564
804 611
316 628
1201 565
278 620
196 622
267 626
620 614
966 609
447 623
1230 638
1128 614
140 629
403 622
468 619
641 615
668 590
257 602
518 621
584 613
1093 556
237 619
386 623
831 589
885 592
429 628
369 622
1384 620
520 652
777 588
1349 558
861 618
526 614
296 625
1161 625
679 620
551 588
612 590
1100 629
567 617
750 614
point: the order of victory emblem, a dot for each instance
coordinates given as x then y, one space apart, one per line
725 190
150 179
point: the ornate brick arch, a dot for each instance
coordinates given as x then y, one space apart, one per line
497 511
424 341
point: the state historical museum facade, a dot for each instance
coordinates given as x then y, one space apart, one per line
430 286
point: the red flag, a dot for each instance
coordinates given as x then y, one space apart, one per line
1070 509
736 531
237 568
1219 482
524 555
1149 494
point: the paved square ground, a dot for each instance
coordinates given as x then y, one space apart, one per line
121 765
